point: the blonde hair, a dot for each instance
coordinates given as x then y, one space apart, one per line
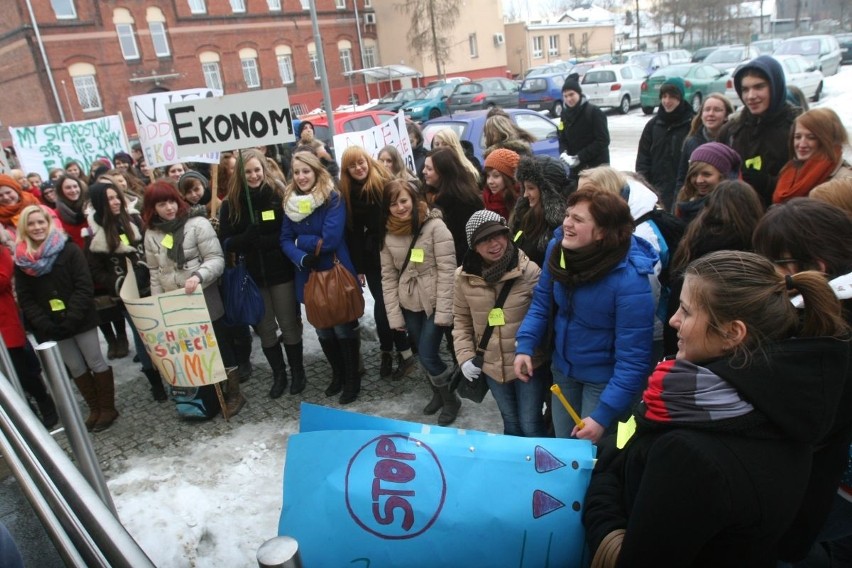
606 178
837 192
324 184
449 138
22 225
236 189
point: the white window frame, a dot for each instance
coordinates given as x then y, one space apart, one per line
312 56
197 6
471 43
127 40
553 45
305 4
340 4
538 47
87 93
274 5
370 54
238 6
346 60
212 75
158 33
285 68
368 3
251 75
64 9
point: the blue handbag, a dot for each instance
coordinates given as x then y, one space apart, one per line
242 299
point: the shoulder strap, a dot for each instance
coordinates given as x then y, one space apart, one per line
501 299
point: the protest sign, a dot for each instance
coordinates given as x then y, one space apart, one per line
47 146
155 130
390 133
404 494
231 122
177 333
4 165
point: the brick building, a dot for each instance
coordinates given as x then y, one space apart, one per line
101 52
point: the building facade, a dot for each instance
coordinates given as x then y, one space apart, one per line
535 44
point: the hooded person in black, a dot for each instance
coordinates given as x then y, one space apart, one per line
584 134
662 141
760 132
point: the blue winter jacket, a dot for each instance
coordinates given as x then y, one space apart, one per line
603 329
299 239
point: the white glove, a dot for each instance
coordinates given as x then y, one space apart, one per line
471 372
572 161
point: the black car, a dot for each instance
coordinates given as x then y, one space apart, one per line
845 41
700 54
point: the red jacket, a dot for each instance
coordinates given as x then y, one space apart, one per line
10 320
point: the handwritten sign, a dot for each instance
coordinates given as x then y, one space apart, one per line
4 165
393 489
177 333
47 146
390 133
155 130
231 122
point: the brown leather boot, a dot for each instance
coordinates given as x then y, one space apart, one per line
86 385
234 400
105 385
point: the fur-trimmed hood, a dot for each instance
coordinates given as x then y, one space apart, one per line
545 172
520 147
553 204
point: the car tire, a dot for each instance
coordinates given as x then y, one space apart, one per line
556 111
696 102
817 93
648 110
624 107
434 113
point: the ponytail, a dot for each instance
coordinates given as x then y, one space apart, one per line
822 313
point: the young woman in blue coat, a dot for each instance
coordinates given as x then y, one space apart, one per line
595 279
314 211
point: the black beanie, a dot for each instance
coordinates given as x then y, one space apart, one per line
572 83
98 199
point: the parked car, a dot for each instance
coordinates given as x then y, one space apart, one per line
432 104
484 93
821 49
582 68
548 69
650 62
699 79
801 73
450 81
542 92
395 100
470 126
617 86
845 41
766 46
347 121
728 57
700 55
677 56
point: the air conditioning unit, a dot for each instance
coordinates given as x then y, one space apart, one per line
499 39
370 19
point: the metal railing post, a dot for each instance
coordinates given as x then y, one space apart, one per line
69 413
279 552
8 368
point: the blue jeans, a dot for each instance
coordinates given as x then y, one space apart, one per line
343 331
583 397
427 337
520 405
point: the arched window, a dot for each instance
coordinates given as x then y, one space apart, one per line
83 75
123 21
312 55
157 27
210 69
284 55
248 58
344 47
370 53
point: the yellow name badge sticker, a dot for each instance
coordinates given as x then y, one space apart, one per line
268 215
625 432
56 305
517 236
123 238
417 255
304 206
496 317
168 241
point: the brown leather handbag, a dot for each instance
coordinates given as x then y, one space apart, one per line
332 297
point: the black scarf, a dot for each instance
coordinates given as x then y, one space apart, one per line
586 265
175 228
491 273
682 112
70 212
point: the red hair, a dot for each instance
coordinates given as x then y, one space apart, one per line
160 191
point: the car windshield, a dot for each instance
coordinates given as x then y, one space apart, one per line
799 47
534 85
673 71
731 55
599 77
391 97
432 93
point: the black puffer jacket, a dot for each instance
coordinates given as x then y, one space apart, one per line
660 148
456 215
70 282
366 231
584 134
265 261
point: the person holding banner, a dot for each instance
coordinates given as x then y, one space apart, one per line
117 238
362 183
721 457
183 251
250 225
392 160
55 293
315 211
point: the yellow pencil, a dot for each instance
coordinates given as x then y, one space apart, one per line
576 417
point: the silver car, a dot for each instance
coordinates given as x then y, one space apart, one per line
616 86
801 73
820 49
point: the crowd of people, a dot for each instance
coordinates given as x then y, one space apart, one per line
694 294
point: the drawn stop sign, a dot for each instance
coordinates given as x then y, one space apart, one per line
395 487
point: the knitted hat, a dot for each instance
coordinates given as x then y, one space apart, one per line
122 157
98 199
504 161
184 185
675 87
572 83
546 173
9 181
482 224
723 158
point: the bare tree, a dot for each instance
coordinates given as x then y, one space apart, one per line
432 23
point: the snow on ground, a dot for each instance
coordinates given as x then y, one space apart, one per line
221 520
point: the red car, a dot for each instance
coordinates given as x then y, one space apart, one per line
346 121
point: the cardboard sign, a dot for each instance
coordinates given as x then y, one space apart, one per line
405 494
155 130
232 122
47 146
177 333
390 133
